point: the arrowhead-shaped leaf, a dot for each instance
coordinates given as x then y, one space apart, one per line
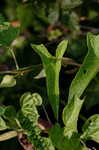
85 74
52 66
88 69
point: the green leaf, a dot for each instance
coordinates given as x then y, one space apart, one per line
54 34
2 109
8 135
73 24
40 75
7 33
52 66
37 99
28 99
25 12
3 125
70 115
88 69
56 135
28 104
91 129
62 142
70 4
53 13
2 19
9 112
48 144
8 81
85 74
24 100
33 134
61 48
10 117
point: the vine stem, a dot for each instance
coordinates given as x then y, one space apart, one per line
46 114
14 57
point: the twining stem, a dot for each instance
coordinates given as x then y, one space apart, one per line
64 62
46 114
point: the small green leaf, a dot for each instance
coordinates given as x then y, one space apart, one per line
40 75
70 115
70 4
53 13
37 99
9 112
10 117
8 81
7 34
28 104
54 34
8 135
52 66
91 129
27 98
25 12
3 125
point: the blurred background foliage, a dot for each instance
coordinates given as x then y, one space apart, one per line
47 22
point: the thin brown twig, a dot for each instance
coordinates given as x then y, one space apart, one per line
65 61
